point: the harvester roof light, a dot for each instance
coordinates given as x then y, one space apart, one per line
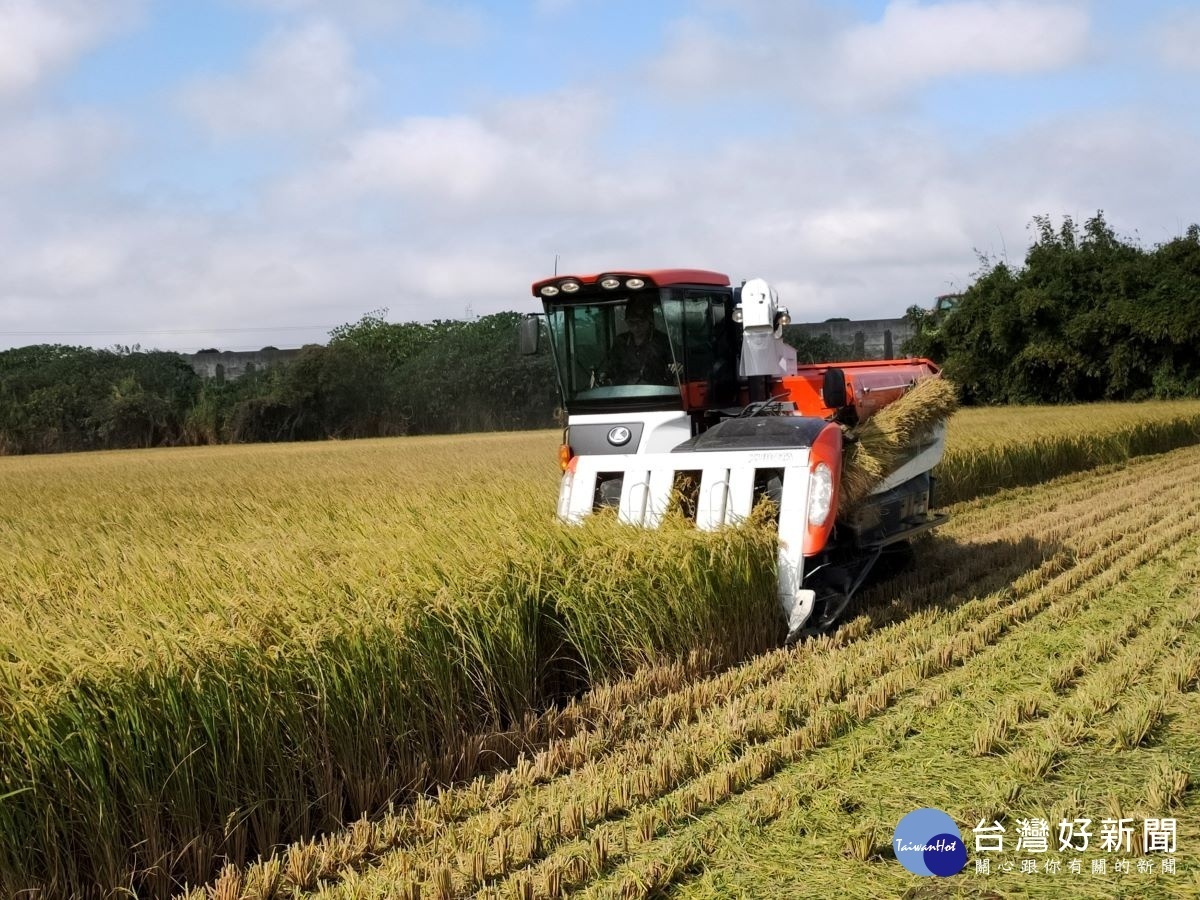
820 494
784 318
549 290
737 313
610 282
634 283
569 287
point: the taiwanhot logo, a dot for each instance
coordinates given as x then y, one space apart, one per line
927 842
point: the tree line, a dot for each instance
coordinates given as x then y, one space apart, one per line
1089 316
372 379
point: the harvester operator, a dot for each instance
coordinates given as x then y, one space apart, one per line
641 355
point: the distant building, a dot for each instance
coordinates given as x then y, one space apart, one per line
875 338
232 364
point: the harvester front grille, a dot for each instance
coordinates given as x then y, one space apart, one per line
714 489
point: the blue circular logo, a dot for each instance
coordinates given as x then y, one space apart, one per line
927 842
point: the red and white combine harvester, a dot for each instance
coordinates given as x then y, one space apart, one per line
679 388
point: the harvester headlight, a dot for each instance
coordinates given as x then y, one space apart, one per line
737 313
820 494
549 290
569 287
635 283
610 283
784 318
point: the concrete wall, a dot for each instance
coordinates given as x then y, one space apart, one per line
231 364
868 334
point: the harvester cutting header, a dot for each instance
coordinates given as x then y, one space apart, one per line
679 388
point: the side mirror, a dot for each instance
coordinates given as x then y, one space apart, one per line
833 391
529 333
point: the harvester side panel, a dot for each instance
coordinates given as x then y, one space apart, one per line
924 457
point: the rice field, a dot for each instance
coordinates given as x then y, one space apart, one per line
209 653
1043 662
992 449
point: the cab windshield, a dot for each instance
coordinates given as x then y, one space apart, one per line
637 350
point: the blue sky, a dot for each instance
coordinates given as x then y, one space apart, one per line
237 173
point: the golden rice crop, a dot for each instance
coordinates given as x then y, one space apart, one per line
188 635
710 788
992 449
210 651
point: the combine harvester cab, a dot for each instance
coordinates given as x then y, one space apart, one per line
679 390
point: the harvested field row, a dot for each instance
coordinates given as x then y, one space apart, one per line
843 804
1063 757
672 771
657 865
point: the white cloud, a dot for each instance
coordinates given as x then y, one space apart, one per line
301 80
41 37
72 263
377 11
568 118
535 156
915 43
146 273
816 53
861 222
452 159
698 58
1177 41
446 23
35 152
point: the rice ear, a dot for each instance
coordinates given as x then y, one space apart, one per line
876 448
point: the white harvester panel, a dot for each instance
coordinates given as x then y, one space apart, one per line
923 456
725 498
